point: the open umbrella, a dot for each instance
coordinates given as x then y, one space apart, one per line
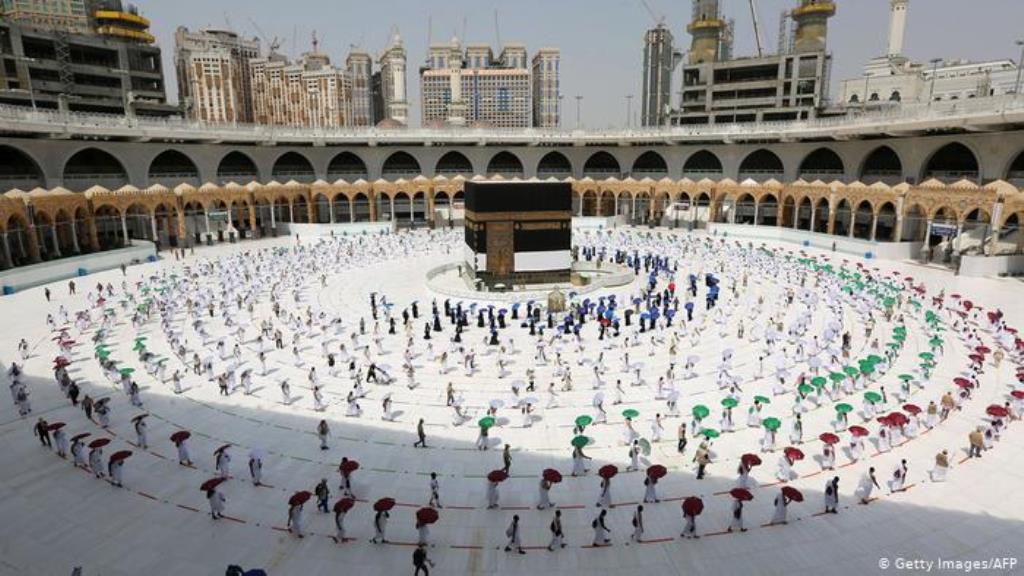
837 376
486 422
978 358
582 441
805 389
211 484
793 453
693 506
751 460
344 505
859 431
657 471
700 411
762 400
497 476
300 497
872 397
384 504
829 438
982 349
349 466
792 493
608 471
497 403
552 475
912 409
729 402
905 377
645 446
222 448
771 423
120 455
741 494
99 443
630 413
78 437
180 436
844 408
709 433
997 411
426 516
963 383
55 426
1018 394
898 418
583 421
818 381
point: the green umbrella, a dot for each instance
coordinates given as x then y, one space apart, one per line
894 345
700 411
138 346
729 402
127 371
583 421
889 302
581 441
645 446
486 422
873 397
818 381
837 376
874 358
844 408
104 354
936 342
762 400
771 423
630 413
926 356
905 377
851 371
867 368
709 433
805 389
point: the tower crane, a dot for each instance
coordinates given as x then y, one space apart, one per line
757 27
659 20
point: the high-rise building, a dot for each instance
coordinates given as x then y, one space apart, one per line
660 60
309 92
476 88
360 69
393 90
51 59
547 112
214 75
71 16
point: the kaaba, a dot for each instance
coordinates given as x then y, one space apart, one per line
519 232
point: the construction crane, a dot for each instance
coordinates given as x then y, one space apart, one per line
273 44
757 28
658 20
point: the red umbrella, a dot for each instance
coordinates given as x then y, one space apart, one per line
344 505
977 358
793 453
829 438
1018 394
299 498
657 471
997 411
955 296
912 409
982 349
898 418
222 448
99 443
968 305
693 506
963 383
61 362
349 466
859 431
426 516
55 426
211 484
78 437
120 455
552 475
885 421
180 436
751 460
741 494
384 504
497 476
608 471
792 493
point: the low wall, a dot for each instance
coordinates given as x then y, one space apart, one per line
315 230
992 265
597 222
854 246
25 277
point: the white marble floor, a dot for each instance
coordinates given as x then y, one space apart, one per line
58 517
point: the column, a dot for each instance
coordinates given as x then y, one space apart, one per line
994 229
412 208
55 240
351 210
925 249
182 229
600 199
7 251
124 228
94 236
330 206
831 226
74 237
796 216
814 212
757 211
33 244
853 223
253 233
898 233
291 211
874 226
152 223
309 211
206 219
372 205
273 217
391 203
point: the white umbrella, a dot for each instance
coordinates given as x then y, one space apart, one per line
530 400
598 398
497 403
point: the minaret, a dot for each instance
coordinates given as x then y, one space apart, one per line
897 26
811 19
705 28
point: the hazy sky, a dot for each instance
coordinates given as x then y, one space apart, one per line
601 40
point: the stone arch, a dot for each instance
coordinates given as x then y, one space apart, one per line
1015 171
347 166
745 209
91 167
822 213
321 209
761 164
506 165
843 218
788 211
165 215
768 210
454 163
554 165
702 164
804 213
172 167
650 164
863 218
885 223
607 205
822 164
300 209
361 207
400 164
16 229
915 224
237 167
883 164
293 166
952 162
589 203
19 170
107 220
602 165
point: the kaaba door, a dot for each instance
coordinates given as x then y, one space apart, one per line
500 249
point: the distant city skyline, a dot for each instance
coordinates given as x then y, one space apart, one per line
601 48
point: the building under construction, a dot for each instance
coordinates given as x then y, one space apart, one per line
791 84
